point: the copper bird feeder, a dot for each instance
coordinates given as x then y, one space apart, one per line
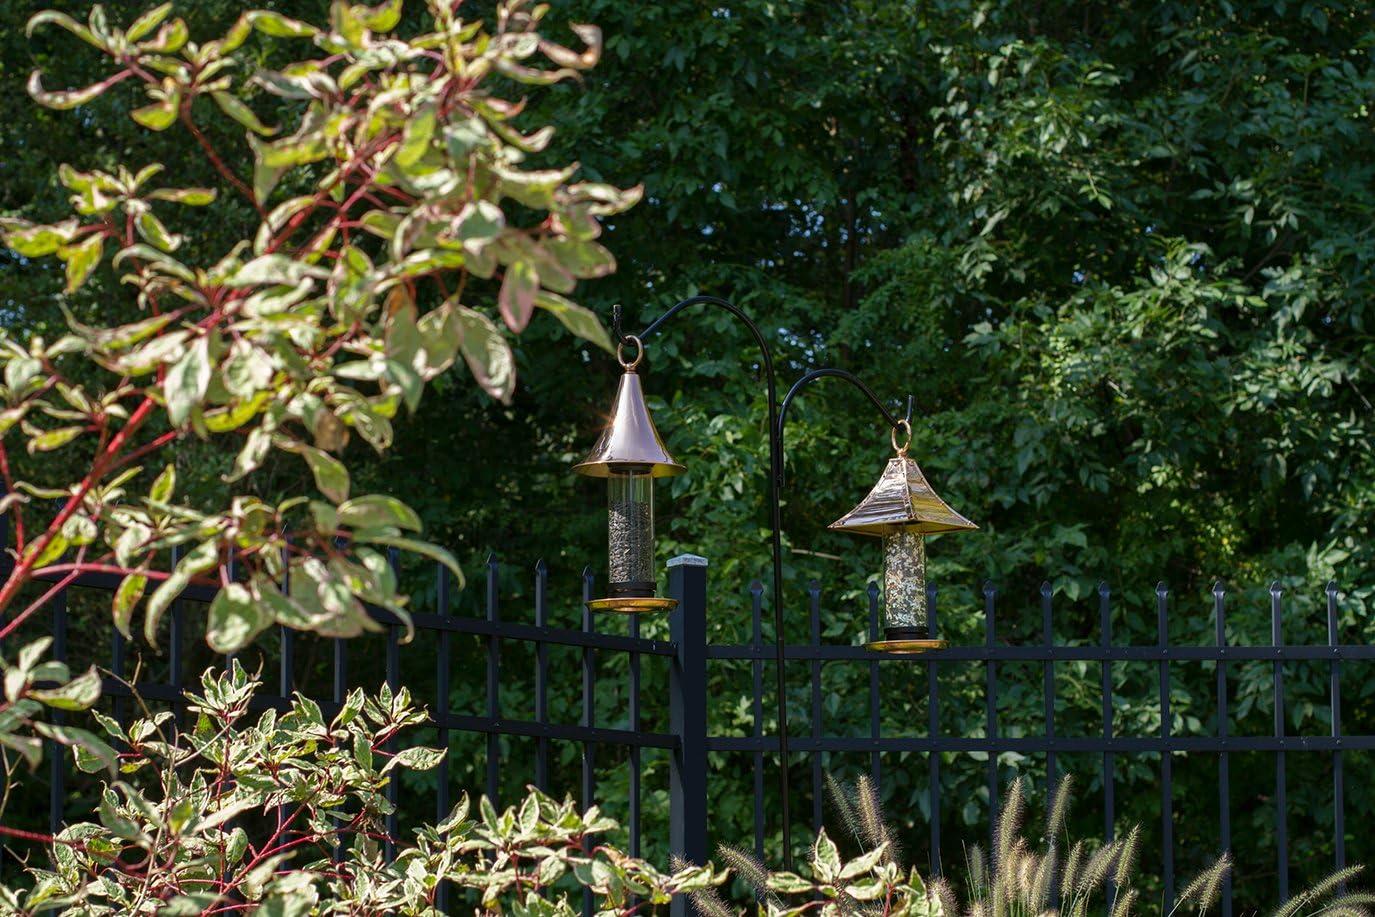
630 455
903 509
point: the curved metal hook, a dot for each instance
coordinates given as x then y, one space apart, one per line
829 372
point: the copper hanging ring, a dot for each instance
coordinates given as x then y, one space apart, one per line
893 436
639 353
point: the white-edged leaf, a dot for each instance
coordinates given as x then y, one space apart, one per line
331 477
201 558
517 297
78 694
235 108
234 619
580 320
187 380
487 354
126 597
376 510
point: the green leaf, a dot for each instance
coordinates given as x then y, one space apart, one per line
54 549
234 619
78 694
232 106
285 609
34 241
152 231
251 456
126 597
417 759
191 197
487 354
517 297
383 17
863 864
82 259
293 903
164 485
95 750
580 320
789 883
331 477
376 510
225 419
49 440
170 39
158 116
423 548
187 381
362 751
477 224
416 137
145 24
279 26
583 259
201 558
161 260
194 904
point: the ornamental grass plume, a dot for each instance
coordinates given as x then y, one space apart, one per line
1019 878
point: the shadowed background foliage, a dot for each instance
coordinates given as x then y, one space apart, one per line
1120 255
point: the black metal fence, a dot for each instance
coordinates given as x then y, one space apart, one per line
693 784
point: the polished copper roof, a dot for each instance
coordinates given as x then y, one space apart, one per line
902 499
629 437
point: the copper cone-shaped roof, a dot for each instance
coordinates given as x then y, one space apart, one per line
902 499
629 437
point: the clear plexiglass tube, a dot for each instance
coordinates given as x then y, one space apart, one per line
630 533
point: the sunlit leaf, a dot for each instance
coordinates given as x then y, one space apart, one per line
235 108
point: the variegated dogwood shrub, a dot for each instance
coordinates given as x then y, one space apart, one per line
286 814
399 228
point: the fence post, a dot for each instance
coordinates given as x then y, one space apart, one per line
687 690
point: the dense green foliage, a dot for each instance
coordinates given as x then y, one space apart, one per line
1119 253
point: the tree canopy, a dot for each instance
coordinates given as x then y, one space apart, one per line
1120 254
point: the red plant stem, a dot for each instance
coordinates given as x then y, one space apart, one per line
15 510
27 835
267 849
23 570
341 211
141 451
216 161
38 603
115 568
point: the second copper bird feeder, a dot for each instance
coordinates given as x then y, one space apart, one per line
902 509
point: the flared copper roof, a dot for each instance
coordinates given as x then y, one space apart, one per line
902 499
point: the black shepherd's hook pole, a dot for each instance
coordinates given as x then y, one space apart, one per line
777 418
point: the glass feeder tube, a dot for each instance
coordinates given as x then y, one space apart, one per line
904 585
630 532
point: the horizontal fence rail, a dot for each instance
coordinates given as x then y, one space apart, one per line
1107 745
682 731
